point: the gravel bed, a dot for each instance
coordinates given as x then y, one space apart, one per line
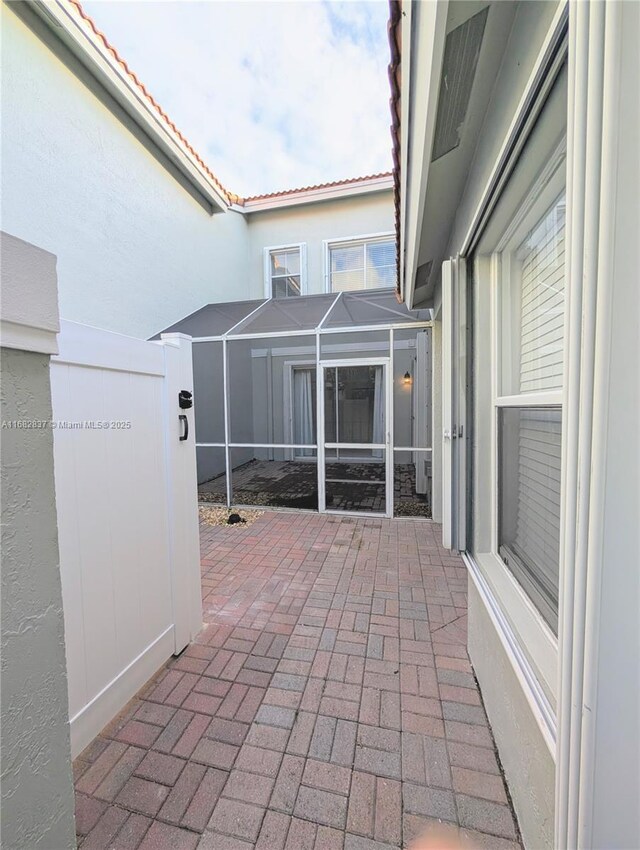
219 516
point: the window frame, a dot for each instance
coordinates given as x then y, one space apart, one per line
289 366
536 638
301 247
344 242
547 187
546 190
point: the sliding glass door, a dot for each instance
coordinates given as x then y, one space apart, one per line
355 463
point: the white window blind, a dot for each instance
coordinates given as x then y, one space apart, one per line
530 501
542 303
538 526
368 264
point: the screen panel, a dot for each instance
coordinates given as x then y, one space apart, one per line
274 478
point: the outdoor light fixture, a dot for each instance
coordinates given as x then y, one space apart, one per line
407 379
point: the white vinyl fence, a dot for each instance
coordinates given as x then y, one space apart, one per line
126 498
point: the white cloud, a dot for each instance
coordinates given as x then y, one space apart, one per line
272 94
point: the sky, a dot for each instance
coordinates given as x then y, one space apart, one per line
273 95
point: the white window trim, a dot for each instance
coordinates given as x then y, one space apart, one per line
535 637
292 246
328 244
535 681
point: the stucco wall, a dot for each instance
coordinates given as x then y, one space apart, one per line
528 765
312 223
136 252
37 790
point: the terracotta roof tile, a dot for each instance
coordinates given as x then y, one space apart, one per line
332 184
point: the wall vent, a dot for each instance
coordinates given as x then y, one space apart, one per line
461 52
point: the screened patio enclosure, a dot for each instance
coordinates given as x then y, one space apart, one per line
318 402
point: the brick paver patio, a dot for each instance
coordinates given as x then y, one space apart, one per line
294 484
328 703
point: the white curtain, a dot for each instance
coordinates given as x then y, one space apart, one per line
303 411
378 409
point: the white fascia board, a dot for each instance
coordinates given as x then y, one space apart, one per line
425 32
91 52
314 196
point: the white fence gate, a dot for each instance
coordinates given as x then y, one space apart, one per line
126 498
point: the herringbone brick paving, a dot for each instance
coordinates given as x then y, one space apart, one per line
328 703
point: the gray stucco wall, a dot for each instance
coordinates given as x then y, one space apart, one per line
37 788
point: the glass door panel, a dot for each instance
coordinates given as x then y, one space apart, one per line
356 459
355 404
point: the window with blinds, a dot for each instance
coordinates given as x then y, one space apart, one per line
529 455
529 434
364 264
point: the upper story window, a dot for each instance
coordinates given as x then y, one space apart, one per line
285 271
363 263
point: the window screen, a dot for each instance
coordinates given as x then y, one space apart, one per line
529 455
368 264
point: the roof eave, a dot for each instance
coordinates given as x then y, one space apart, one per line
317 194
92 53
423 47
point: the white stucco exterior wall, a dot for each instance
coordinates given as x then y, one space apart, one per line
135 250
342 218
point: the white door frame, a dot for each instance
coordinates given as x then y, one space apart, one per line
454 435
385 362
